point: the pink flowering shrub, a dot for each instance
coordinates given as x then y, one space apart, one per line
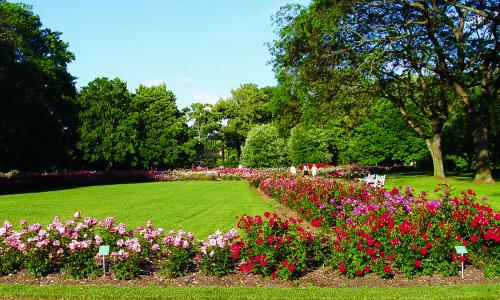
177 253
275 247
219 254
10 256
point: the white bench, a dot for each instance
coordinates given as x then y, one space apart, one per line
374 179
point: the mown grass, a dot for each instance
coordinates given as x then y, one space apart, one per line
425 182
486 291
198 206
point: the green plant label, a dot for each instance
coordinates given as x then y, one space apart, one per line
461 249
103 250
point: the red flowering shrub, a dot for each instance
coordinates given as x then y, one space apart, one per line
384 232
276 247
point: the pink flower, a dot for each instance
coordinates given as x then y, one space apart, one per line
77 215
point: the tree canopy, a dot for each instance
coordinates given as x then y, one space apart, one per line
37 111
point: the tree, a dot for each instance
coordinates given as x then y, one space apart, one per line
384 138
161 129
308 144
37 109
423 49
247 106
108 137
264 148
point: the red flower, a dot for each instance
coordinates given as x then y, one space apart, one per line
423 251
473 238
428 245
259 241
270 239
367 269
370 252
263 263
387 268
462 258
291 267
342 267
405 227
267 214
284 263
418 263
274 275
394 242
359 272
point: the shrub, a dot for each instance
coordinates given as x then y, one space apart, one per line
264 148
219 253
177 253
275 247
308 145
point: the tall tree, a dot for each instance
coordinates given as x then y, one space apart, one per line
161 129
37 109
247 106
409 50
107 135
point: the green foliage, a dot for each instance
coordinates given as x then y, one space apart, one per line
39 263
308 145
106 132
145 130
384 138
37 110
247 106
264 148
10 261
126 269
161 129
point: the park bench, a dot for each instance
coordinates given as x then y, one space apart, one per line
374 179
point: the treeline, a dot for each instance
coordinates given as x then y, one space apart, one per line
345 94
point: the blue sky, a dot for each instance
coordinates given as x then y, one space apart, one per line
202 49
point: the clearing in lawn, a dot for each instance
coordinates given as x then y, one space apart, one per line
198 206
425 182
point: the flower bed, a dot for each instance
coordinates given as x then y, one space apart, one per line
362 229
374 230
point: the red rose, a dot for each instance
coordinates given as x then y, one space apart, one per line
284 263
263 263
274 275
370 252
359 272
259 241
394 242
428 245
418 263
267 214
342 267
291 267
423 251
473 238
367 269
462 258
387 268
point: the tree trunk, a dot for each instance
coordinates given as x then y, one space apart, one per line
479 134
434 146
483 171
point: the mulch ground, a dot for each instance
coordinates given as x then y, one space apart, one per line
322 277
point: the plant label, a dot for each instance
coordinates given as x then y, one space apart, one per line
103 250
461 249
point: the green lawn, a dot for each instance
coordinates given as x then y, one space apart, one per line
425 182
486 291
198 206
